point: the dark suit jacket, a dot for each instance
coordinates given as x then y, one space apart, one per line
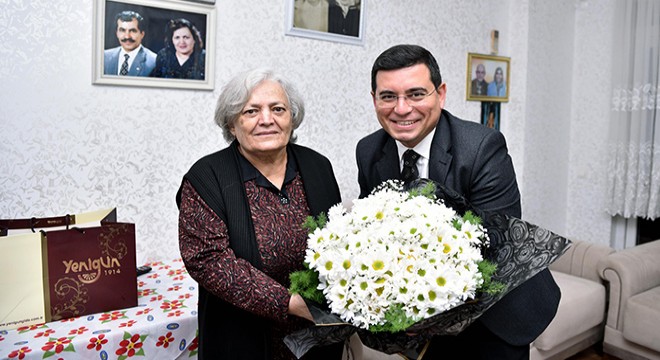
144 62
473 160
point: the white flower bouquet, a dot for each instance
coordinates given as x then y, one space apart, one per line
417 261
398 257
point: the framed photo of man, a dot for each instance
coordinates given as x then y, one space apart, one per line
154 43
331 20
487 78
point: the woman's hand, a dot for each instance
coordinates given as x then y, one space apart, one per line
297 307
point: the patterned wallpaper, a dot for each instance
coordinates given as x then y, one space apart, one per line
567 117
69 146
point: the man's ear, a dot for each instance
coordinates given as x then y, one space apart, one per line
442 93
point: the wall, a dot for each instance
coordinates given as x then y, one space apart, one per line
70 146
567 114
548 116
587 165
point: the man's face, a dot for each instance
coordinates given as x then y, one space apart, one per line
408 121
129 35
481 72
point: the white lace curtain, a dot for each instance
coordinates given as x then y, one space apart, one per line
634 148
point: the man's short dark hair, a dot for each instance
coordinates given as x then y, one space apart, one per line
402 56
128 16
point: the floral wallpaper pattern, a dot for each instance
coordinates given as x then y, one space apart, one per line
69 146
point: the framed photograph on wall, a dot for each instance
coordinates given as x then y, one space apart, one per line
331 20
488 78
154 43
490 114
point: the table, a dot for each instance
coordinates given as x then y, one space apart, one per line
162 326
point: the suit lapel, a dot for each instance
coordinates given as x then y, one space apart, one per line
388 165
137 63
113 62
441 157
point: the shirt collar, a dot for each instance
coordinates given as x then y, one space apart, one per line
423 148
131 53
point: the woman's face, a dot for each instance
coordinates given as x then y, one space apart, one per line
264 126
183 41
498 76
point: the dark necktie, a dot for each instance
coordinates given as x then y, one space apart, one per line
124 66
409 171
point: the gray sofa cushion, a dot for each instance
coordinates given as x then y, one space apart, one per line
573 318
642 317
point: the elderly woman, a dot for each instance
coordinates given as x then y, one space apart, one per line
183 56
241 211
497 87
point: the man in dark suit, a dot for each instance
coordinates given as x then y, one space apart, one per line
409 95
479 84
131 58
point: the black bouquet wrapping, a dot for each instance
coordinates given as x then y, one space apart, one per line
519 249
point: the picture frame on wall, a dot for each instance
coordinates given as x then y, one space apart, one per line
488 78
169 43
331 20
490 114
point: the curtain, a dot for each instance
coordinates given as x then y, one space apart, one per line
634 146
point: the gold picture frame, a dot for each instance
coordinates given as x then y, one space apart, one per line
482 83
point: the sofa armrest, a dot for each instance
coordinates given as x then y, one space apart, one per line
581 259
629 272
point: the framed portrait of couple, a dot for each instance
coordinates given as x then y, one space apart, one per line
154 43
488 78
332 20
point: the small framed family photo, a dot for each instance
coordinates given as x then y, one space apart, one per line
331 20
488 78
154 43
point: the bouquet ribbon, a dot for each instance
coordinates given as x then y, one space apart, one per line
519 249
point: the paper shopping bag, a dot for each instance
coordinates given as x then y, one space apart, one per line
71 266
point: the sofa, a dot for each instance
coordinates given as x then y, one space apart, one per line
632 329
580 316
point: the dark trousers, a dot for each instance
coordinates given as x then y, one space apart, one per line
475 342
329 352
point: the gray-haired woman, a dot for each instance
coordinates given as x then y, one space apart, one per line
241 211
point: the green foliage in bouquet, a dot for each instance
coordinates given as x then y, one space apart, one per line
427 191
311 223
487 269
305 283
397 320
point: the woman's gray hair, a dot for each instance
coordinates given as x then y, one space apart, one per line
237 92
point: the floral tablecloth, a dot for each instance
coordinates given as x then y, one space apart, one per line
162 326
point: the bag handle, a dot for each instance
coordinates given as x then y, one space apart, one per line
32 223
